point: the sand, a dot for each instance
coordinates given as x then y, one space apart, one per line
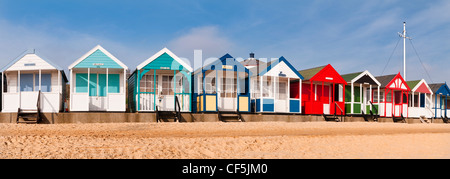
259 140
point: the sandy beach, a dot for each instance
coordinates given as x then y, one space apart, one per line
259 140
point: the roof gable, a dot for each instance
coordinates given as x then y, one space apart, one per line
165 59
361 77
98 57
225 63
281 67
325 74
441 88
30 60
394 82
420 86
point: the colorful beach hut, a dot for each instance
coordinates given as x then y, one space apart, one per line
31 78
97 82
420 99
441 100
394 96
323 91
223 85
270 86
158 82
359 95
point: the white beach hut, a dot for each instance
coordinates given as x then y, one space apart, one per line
30 79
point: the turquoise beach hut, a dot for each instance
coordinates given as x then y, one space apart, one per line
98 81
158 82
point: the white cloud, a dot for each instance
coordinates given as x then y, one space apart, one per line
209 39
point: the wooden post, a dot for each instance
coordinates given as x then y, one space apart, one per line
300 94
107 89
3 90
18 89
352 96
40 80
88 86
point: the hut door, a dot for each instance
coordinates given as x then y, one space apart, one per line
281 97
325 97
398 106
165 98
227 94
97 92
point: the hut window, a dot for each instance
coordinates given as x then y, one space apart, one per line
81 83
182 85
443 103
282 92
268 87
210 85
375 96
229 87
405 98
398 97
30 82
113 83
448 102
147 83
26 82
167 85
389 97
256 88
338 96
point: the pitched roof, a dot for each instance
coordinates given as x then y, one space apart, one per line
364 77
101 51
30 51
309 73
414 83
272 64
440 88
225 62
252 62
170 55
435 87
349 77
385 80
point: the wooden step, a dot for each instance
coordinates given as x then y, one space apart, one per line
331 118
230 117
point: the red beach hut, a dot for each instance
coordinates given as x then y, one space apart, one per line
394 96
323 91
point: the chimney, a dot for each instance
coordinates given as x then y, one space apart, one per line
252 55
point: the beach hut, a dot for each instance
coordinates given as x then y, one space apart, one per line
29 79
393 96
279 91
97 82
158 81
323 91
420 99
359 96
441 100
223 85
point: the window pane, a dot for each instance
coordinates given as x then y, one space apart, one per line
113 83
282 92
102 85
81 83
93 85
26 82
46 82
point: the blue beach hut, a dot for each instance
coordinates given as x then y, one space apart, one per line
223 85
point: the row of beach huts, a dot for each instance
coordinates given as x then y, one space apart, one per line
99 82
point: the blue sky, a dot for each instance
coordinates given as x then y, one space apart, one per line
352 35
